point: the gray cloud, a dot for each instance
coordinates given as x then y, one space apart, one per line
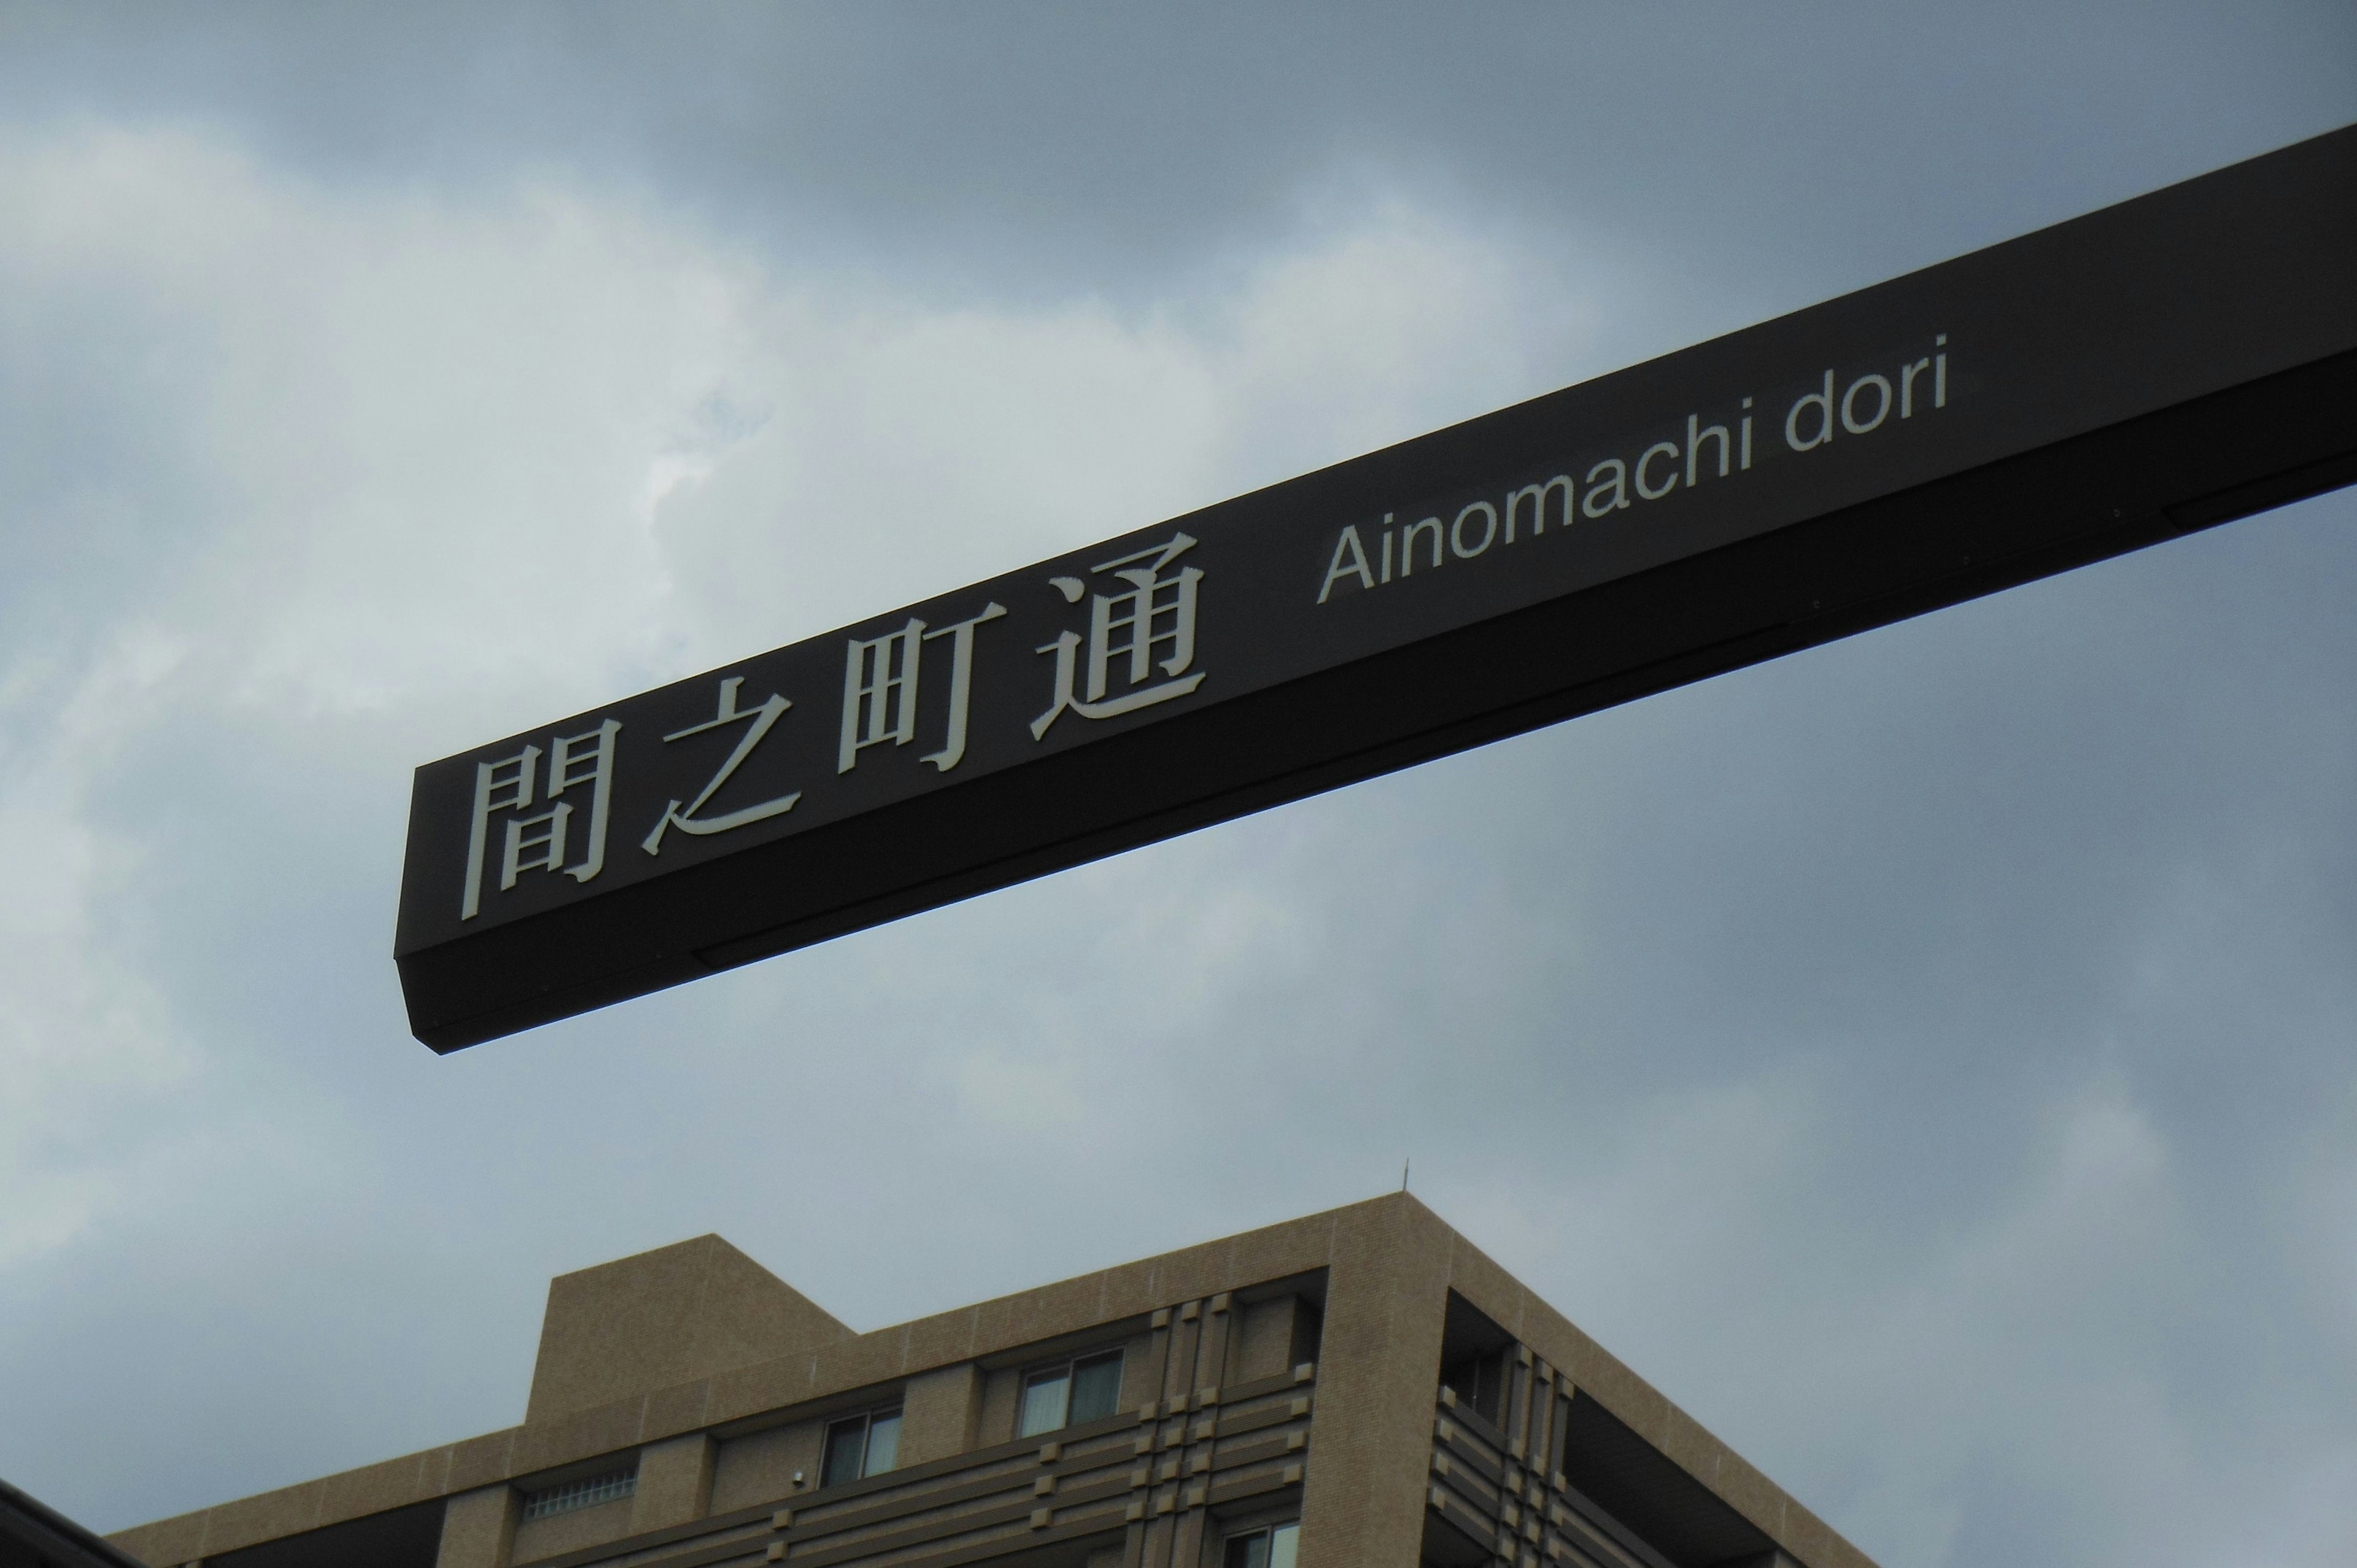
1926 1057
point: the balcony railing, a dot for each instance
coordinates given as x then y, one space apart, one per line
1503 1495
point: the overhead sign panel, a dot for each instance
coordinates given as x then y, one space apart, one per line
2158 366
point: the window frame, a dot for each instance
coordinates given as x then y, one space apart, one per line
572 1495
1068 1369
1484 1391
866 1419
1269 1531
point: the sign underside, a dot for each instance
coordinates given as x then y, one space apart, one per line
2157 367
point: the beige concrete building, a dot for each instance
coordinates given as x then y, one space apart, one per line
1360 1389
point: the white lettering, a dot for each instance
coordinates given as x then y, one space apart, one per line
1697 433
549 843
1825 402
1620 489
1907 387
1658 449
537 843
1537 495
761 721
587 758
1125 632
1850 422
1714 450
880 692
1356 566
961 638
1488 529
504 785
1407 544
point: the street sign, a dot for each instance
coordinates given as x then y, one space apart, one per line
2156 367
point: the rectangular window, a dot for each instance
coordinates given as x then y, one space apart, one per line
1068 1393
1480 1384
1096 1388
587 1492
1276 1547
1047 1395
859 1445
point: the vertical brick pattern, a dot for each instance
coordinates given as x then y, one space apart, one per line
941 1414
675 1482
1378 1363
1501 1487
479 1528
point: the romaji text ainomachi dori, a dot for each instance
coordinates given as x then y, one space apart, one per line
1868 403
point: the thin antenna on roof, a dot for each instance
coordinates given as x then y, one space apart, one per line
1404 1164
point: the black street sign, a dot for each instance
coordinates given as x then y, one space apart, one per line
2156 367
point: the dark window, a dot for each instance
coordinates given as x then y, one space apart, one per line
1096 1388
864 1445
1264 1548
1480 1384
1070 1393
1474 1356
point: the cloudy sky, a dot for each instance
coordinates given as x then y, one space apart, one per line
1928 1057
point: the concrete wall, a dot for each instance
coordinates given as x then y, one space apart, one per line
717 1379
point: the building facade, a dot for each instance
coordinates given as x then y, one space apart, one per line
1359 1389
